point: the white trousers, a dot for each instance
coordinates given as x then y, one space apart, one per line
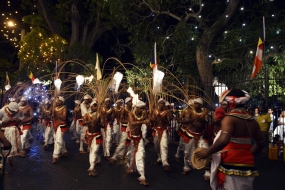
121 149
25 139
59 144
72 129
94 154
180 147
49 135
137 159
116 131
107 140
238 182
82 137
12 134
161 147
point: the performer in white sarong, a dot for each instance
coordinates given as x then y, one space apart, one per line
94 137
107 118
60 127
26 122
161 119
10 118
121 149
137 118
76 116
117 121
46 122
85 108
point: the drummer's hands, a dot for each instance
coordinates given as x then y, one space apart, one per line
202 153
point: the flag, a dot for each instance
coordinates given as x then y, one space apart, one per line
7 79
97 67
258 56
153 63
31 76
56 71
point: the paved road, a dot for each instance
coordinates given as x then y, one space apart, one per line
36 172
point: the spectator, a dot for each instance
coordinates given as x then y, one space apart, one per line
264 122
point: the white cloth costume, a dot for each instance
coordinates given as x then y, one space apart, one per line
11 132
280 129
82 129
59 144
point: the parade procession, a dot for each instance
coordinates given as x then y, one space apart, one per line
111 121
169 94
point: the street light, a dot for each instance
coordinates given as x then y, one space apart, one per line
14 25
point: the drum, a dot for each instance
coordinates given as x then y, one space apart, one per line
199 163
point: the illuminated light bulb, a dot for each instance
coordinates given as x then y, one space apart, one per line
226 16
272 15
192 38
251 52
243 24
167 37
199 16
210 56
241 8
203 5
158 27
271 47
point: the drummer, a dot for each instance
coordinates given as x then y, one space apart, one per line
193 123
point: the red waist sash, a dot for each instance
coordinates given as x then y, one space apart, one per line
27 126
10 124
62 125
124 127
186 134
96 135
135 138
159 130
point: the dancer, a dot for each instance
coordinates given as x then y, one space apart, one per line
26 122
161 120
107 118
137 118
117 121
46 116
60 127
234 139
193 122
76 116
121 149
94 137
181 144
85 109
10 118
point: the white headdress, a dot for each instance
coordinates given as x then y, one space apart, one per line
140 104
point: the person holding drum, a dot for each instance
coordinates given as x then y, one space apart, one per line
235 168
193 124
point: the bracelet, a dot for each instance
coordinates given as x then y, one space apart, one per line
225 132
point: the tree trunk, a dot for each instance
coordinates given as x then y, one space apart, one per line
202 52
75 18
52 24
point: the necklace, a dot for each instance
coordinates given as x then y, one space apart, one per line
109 110
138 118
59 109
161 113
118 109
22 107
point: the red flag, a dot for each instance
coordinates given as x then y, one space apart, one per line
31 76
7 79
260 46
153 63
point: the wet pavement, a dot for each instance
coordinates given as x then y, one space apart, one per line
36 172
